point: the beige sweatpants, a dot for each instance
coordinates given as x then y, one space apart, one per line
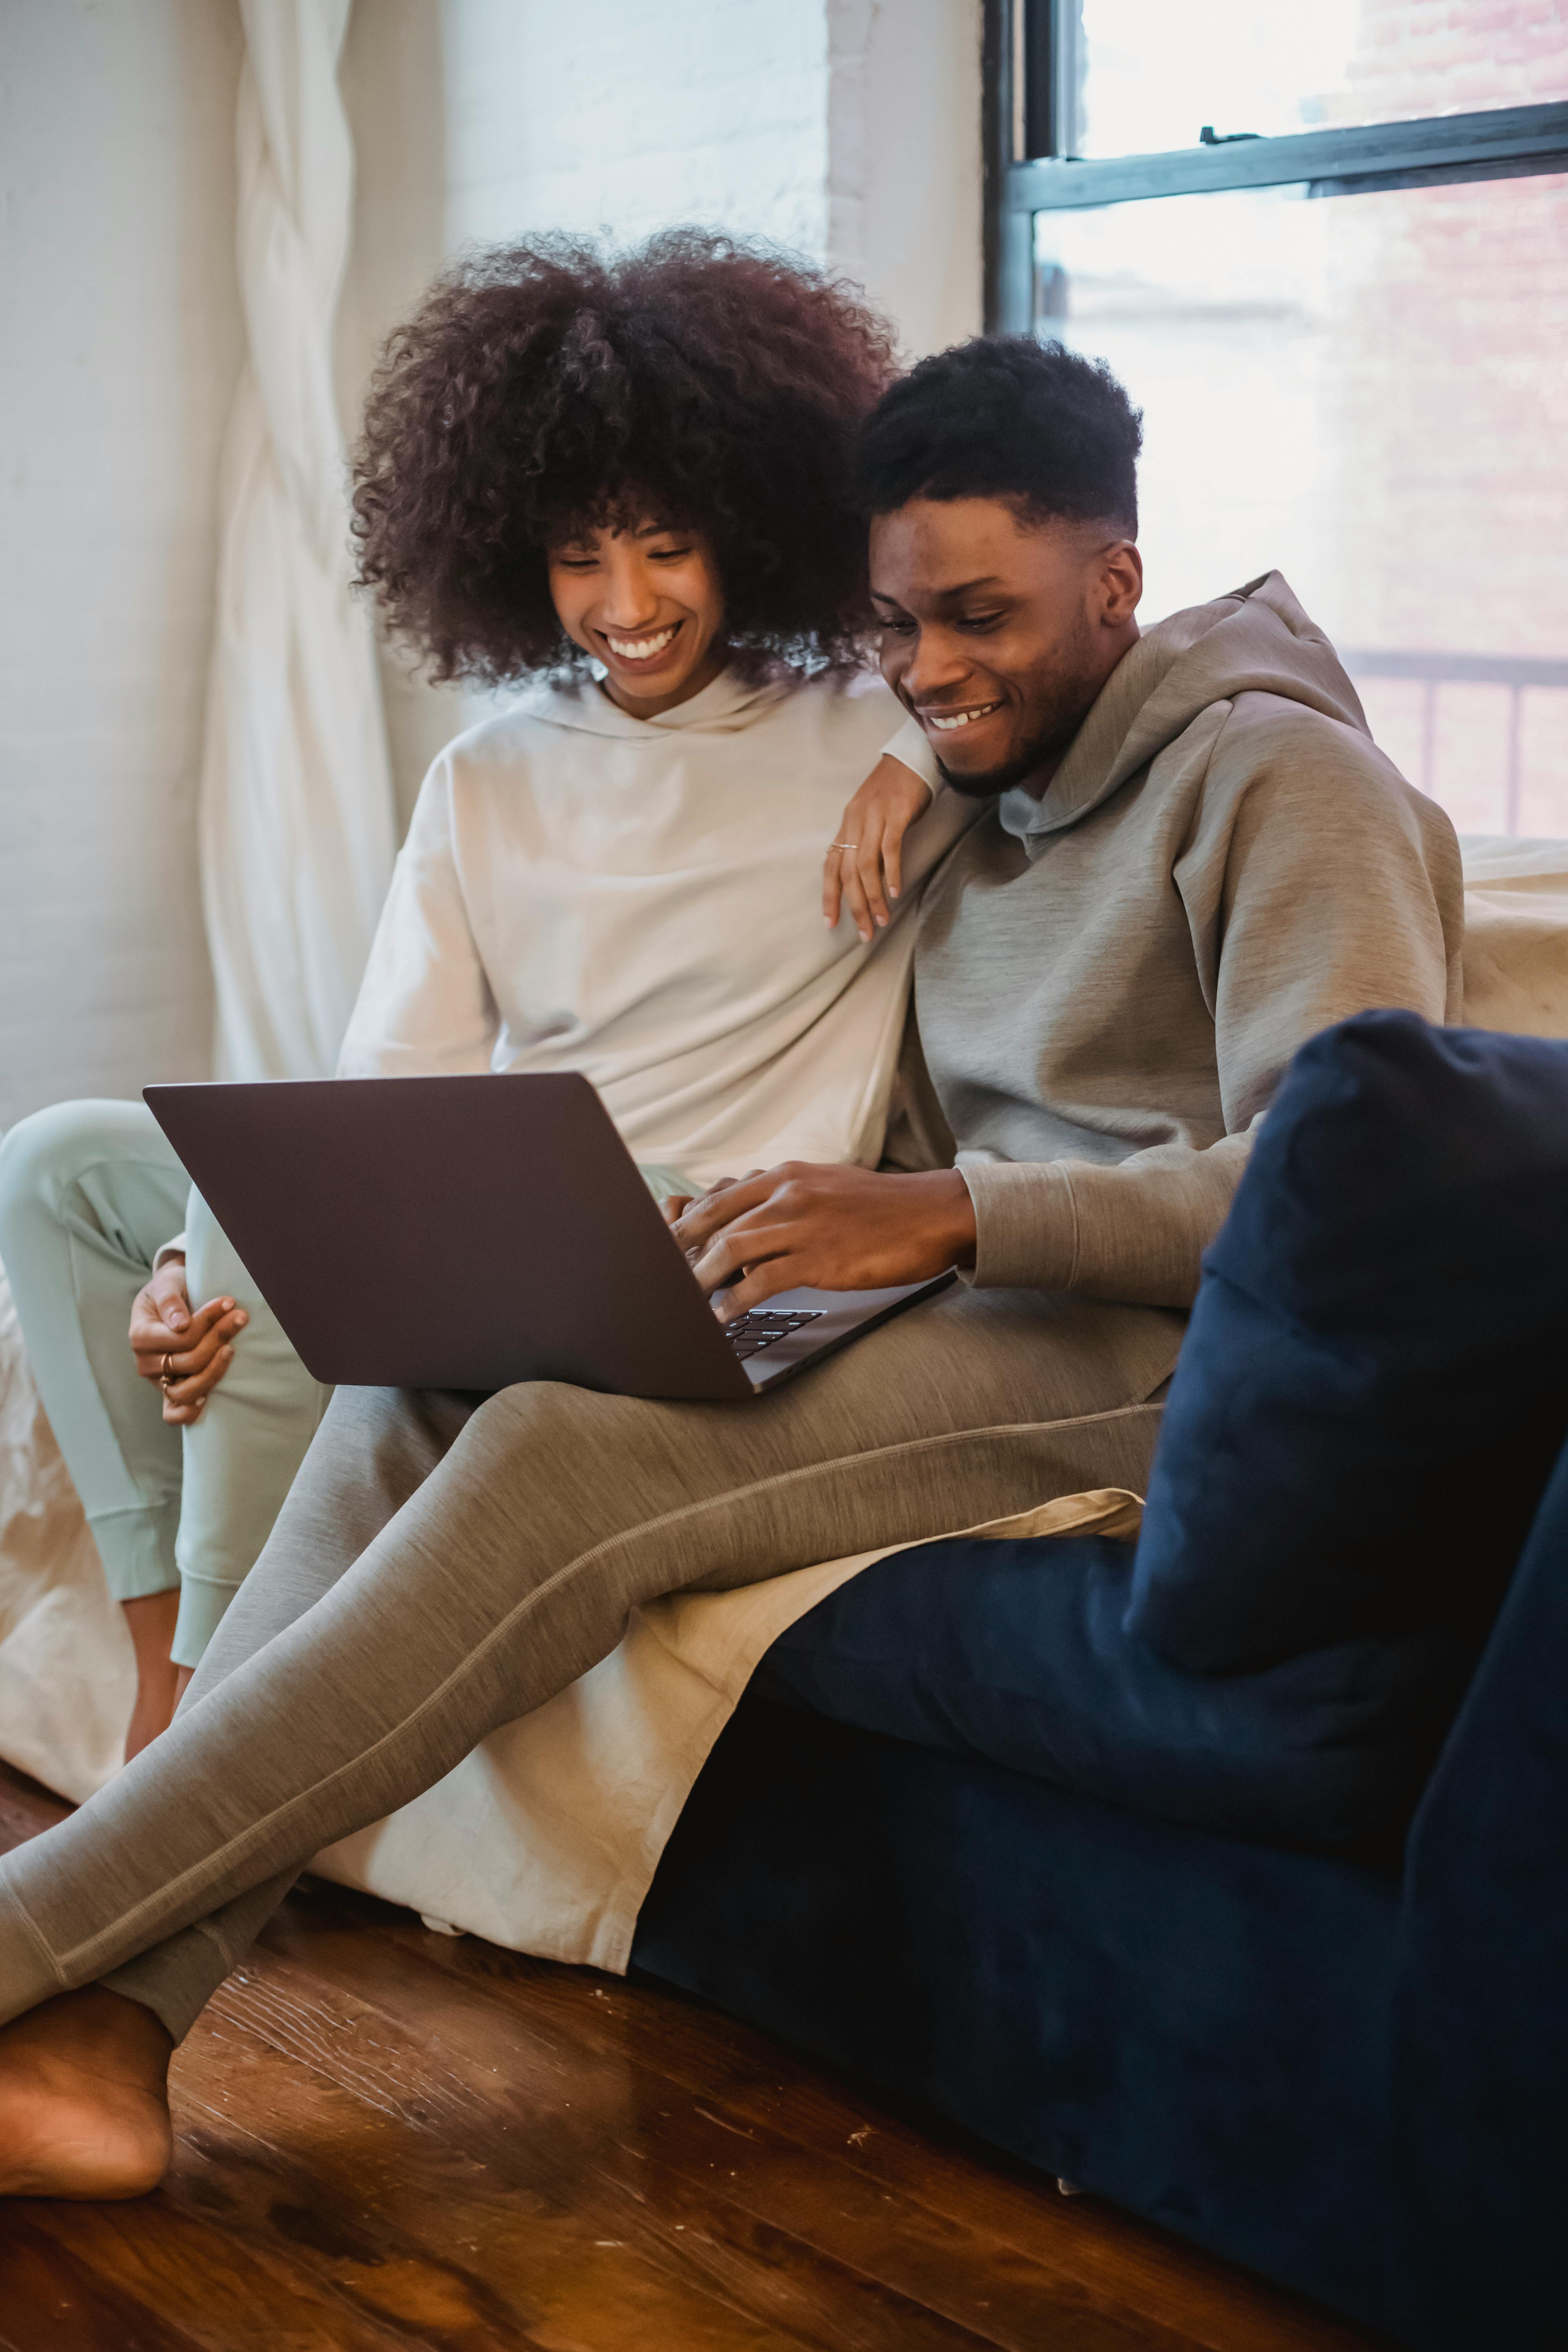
446 1563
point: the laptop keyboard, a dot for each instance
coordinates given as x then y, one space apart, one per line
749 1333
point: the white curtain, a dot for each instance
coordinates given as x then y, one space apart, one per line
297 827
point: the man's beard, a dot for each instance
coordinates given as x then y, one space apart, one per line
1042 750
1070 697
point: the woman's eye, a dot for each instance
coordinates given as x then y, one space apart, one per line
670 554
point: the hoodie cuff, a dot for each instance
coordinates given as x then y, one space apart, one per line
911 749
1025 1225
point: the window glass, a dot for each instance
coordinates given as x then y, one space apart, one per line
1366 392
1152 73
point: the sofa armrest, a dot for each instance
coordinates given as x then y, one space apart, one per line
1479 2085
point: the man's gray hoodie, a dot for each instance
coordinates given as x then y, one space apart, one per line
1113 976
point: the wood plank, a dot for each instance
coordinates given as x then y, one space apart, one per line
568 2158
1126 2267
49 2297
194 2284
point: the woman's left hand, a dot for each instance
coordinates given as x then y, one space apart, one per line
863 867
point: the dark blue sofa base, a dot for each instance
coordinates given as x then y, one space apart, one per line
1133 2005
1355 2082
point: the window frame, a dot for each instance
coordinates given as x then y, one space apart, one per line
1029 69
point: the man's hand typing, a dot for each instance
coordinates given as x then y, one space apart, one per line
800 1225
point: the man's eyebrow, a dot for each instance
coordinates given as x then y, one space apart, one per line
945 595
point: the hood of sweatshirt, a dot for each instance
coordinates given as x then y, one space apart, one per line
1257 640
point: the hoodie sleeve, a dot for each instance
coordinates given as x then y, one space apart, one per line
911 748
1316 885
424 1006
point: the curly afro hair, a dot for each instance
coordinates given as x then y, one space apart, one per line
1007 418
546 387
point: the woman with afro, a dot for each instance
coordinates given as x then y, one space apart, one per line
623 484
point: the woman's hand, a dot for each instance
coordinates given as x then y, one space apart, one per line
186 1354
863 868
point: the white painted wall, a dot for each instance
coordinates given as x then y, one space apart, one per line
849 129
120 340
905 189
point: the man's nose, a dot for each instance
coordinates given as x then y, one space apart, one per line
937 663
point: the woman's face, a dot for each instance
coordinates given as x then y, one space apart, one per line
645 602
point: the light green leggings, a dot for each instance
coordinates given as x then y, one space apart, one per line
88 1192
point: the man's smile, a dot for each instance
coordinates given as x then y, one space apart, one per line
946 721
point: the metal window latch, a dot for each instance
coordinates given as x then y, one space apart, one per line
1209 137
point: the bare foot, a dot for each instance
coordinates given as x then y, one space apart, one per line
84 2098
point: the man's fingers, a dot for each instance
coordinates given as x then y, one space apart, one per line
760 1283
747 1242
721 1206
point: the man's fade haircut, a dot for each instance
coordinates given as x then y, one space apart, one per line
553 387
1007 418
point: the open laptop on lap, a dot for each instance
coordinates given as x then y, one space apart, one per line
465 1233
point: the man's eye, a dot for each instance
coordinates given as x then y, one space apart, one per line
896 629
979 620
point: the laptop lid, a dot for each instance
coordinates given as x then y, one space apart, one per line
508 1204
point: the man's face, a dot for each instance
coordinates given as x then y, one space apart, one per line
998 632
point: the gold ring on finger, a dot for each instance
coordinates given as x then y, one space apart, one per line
166 1367
166 1382
844 844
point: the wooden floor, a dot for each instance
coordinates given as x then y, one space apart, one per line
389 2138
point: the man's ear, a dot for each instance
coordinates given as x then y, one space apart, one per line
1121 583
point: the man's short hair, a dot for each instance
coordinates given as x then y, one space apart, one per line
1007 418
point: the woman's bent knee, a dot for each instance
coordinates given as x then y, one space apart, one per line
42 1157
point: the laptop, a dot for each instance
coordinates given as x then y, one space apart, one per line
465 1233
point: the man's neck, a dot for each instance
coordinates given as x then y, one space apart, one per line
1039 783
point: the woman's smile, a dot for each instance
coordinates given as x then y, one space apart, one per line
642 651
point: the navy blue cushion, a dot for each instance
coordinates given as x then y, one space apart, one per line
1017 1652
1374 1382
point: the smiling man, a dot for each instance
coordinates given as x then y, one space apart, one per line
1192 857
1189 858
